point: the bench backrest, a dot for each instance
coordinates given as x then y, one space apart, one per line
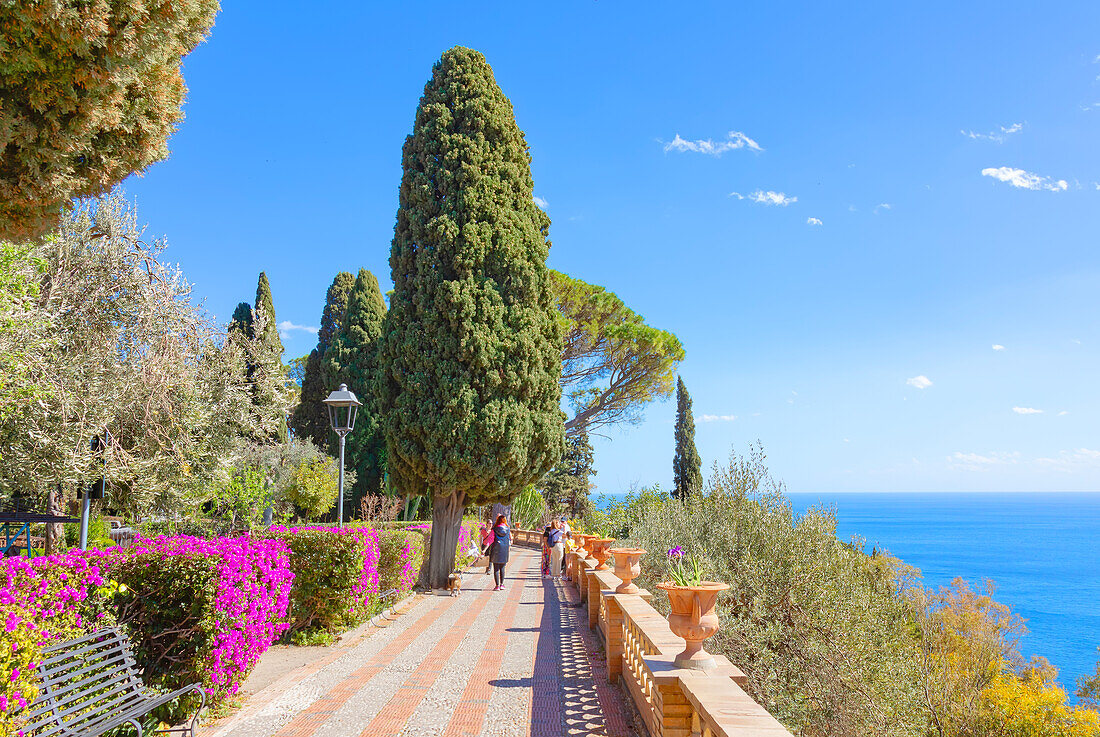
83 682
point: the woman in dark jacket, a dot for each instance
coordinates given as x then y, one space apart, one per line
500 550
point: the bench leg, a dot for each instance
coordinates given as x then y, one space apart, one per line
137 726
195 719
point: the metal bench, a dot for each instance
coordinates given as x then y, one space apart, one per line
91 685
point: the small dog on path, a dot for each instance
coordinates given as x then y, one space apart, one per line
454 584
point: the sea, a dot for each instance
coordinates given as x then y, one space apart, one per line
1041 550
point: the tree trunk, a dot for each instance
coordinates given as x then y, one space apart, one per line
446 520
54 531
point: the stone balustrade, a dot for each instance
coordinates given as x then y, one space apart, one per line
641 651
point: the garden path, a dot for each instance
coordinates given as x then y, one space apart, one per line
516 662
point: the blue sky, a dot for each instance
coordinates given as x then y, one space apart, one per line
915 186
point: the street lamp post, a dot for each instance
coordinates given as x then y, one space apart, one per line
342 406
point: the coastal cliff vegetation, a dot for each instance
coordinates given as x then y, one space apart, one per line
836 641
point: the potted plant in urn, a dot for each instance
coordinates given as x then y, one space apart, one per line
693 617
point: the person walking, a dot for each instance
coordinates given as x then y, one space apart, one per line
487 546
546 551
502 542
557 548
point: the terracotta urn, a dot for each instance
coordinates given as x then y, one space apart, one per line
582 541
599 548
627 567
694 619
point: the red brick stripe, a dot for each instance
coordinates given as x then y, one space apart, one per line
469 713
308 720
395 714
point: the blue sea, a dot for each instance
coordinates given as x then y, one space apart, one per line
1042 550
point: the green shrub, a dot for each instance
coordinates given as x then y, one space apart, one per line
816 625
314 486
327 570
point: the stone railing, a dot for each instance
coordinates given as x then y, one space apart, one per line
641 651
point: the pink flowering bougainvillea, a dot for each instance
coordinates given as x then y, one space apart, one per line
202 610
41 600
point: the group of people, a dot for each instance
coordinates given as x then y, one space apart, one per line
555 539
496 543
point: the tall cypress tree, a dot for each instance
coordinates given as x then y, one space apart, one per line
687 478
241 323
352 359
270 346
471 349
310 419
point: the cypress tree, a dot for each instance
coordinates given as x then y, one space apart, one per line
352 359
270 345
310 419
241 323
471 349
687 478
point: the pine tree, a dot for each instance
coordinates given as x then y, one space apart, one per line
567 486
266 332
352 359
471 349
687 478
310 419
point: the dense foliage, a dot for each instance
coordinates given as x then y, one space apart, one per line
568 484
687 474
471 348
89 93
202 611
111 339
352 359
270 345
836 642
310 420
198 610
613 364
335 575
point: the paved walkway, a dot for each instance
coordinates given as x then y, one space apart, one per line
515 662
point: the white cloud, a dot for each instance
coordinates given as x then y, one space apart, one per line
738 195
718 418
1025 180
1027 411
543 204
734 140
1067 460
997 136
919 382
286 326
813 221
998 347
978 462
883 206
761 197
1063 413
